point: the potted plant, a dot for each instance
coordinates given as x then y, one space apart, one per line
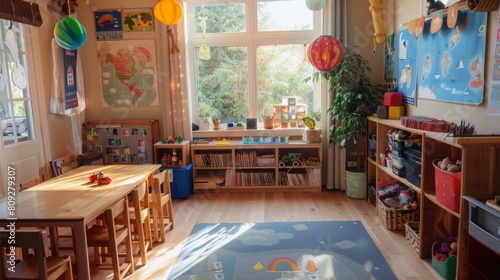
205 116
356 98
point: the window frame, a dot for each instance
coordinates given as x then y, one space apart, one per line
250 39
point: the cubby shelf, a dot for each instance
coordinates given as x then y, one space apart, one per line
480 176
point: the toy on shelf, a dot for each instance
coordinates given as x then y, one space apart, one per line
293 159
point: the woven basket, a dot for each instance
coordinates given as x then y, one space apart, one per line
395 219
483 5
412 236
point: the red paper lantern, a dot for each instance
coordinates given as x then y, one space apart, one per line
168 12
325 52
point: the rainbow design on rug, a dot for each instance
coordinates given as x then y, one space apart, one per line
283 264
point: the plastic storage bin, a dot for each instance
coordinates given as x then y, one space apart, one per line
448 187
413 165
182 182
447 269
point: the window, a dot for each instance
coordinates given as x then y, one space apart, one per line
257 56
16 114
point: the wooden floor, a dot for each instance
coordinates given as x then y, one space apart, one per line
269 207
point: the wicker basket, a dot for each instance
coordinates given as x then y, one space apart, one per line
412 236
395 219
483 5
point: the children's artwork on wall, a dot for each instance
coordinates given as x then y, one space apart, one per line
108 25
406 66
451 68
138 20
128 73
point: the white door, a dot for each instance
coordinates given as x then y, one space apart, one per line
22 156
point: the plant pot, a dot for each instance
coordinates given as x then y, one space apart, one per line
268 123
355 184
204 125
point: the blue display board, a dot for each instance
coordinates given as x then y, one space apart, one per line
451 60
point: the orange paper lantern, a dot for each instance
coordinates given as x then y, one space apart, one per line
325 52
168 12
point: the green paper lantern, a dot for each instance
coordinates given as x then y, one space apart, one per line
315 5
70 34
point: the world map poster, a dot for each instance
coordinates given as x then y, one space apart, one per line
128 73
451 59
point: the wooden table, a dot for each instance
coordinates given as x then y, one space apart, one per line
71 200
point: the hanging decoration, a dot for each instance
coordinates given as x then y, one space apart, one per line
173 43
325 52
204 52
18 73
70 34
168 12
380 36
315 5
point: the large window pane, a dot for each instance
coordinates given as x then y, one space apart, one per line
222 83
220 18
284 16
16 114
281 71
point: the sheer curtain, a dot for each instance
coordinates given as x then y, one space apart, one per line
334 157
176 116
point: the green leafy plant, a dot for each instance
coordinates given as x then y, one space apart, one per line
356 98
205 113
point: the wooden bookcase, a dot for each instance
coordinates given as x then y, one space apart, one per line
480 176
121 141
234 166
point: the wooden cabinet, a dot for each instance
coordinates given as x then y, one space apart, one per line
172 155
480 176
234 166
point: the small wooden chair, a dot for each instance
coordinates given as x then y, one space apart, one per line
139 220
161 206
31 266
110 236
31 183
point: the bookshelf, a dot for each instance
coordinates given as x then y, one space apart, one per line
234 166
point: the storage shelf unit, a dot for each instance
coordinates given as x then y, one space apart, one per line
480 176
257 167
288 116
181 150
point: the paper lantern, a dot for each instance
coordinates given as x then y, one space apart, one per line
315 5
168 12
325 52
70 34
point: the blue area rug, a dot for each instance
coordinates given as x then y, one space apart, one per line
281 250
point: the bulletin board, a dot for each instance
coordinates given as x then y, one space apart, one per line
451 67
121 142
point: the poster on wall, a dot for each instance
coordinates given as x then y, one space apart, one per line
451 69
390 59
406 66
108 25
128 73
138 20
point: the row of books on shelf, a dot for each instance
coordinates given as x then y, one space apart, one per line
251 159
212 160
293 177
